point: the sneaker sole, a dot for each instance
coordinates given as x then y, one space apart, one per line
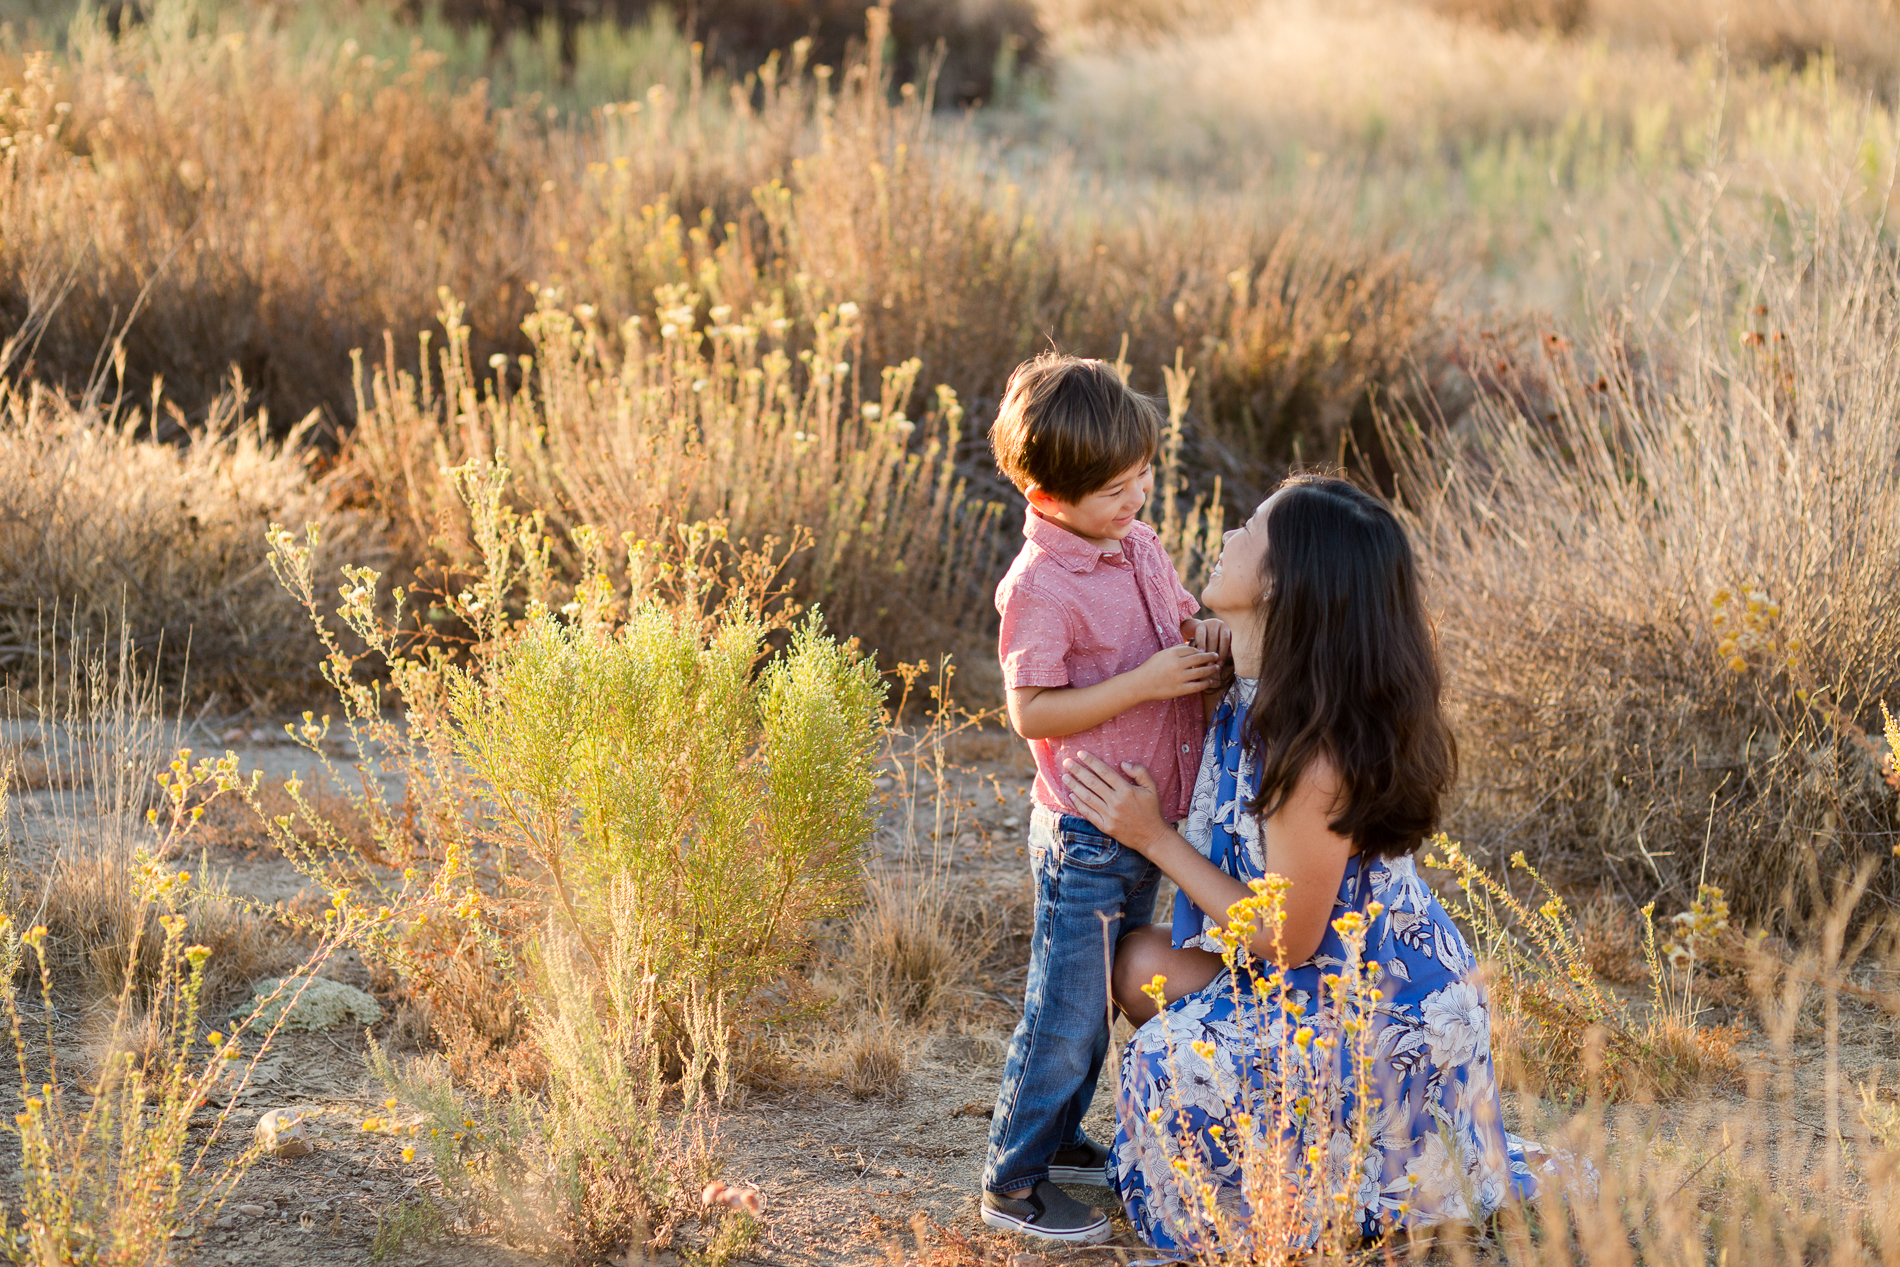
1093 1234
1097 1175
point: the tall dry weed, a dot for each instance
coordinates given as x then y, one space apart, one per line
1666 603
198 191
111 962
106 531
95 760
659 420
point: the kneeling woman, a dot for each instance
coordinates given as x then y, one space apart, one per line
1325 764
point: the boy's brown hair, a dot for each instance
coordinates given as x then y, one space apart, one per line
1070 425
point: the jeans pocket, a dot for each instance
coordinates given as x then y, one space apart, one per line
1084 845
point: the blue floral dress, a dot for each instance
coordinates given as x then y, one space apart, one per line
1430 1148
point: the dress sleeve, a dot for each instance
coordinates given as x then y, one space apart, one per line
1034 642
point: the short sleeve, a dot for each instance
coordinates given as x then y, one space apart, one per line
1035 639
1190 605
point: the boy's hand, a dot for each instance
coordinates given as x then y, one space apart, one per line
1177 671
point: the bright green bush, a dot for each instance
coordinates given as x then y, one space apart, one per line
628 752
648 766
599 834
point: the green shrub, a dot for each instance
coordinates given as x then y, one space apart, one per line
617 823
624 752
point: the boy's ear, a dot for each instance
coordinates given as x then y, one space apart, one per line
1040 499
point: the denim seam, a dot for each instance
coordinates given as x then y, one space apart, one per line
1016 1092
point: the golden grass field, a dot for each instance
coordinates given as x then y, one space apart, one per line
365 371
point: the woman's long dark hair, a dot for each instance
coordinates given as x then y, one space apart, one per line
1348 668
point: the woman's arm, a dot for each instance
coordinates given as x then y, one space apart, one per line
1299 846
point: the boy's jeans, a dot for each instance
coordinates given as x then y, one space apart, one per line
1056 1054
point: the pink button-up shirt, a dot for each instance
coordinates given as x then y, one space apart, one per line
1075 615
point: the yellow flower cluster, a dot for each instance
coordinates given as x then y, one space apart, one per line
1745 626
1893 750
1706 919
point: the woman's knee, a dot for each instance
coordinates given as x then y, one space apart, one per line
1139 956
1149 952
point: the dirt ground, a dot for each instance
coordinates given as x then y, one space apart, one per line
844 1180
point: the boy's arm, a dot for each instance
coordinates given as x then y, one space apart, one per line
1049 712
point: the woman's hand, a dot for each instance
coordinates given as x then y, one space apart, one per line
1129 809
1214 636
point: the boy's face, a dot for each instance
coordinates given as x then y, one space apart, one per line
1106 515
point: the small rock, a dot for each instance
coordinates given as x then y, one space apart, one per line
1027 1260
1013 821
367 1186
225 1222
250 1211
282 1133
321 1004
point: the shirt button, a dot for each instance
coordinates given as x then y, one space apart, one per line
1184 747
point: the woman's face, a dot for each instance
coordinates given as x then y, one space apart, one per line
1237 585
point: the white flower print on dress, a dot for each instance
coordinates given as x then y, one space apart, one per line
1436 1192
1456 1024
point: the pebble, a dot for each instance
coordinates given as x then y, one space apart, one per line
1013 821
251 1211
1027 1260
281 1133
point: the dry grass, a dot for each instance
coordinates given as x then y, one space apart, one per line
80 842
282 256
104 530
1861 36
1666 586
912 949
1523 170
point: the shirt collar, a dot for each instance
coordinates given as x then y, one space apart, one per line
1077 554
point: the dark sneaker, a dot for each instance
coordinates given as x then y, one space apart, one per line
1087 1162
1047 1212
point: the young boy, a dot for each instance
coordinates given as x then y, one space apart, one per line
1100 651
